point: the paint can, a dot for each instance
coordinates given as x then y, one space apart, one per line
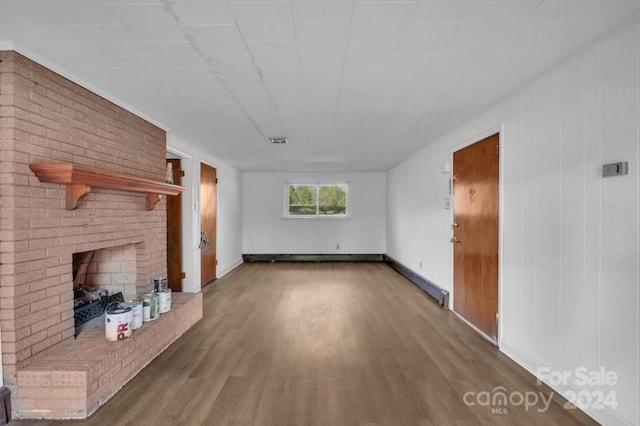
165 301
117 323
136 313
150 307
160 284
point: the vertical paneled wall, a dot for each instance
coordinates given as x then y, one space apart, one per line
570 238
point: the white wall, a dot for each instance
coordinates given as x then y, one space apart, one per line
229 212
267 231
570 239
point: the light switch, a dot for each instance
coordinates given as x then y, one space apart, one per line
615 169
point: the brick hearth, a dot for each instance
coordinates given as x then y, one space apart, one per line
71 380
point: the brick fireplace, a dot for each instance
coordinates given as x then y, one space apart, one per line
47 118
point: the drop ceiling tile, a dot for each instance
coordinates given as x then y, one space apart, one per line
137 13
218 39
369 53
133 2
289 106
247 87
210 92
274 53
411 63
168 53
278 76
362 76
380 21
108 39
234 67
356 95
322 39
289 93
194 75
387 102
160 32
322 85
203 12
321 66
133 61
326 101
448 11
322 12
268 21
429 37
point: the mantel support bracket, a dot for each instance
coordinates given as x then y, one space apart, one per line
152 200
75 192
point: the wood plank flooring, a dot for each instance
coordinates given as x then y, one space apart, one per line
324 344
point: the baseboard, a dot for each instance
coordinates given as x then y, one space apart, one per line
441 295
248 258
222 274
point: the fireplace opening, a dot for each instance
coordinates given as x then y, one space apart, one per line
100 278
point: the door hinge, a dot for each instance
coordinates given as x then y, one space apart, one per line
182 173
216 262
216 180
497 317
498 149
183 275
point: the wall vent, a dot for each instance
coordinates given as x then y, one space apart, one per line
278 141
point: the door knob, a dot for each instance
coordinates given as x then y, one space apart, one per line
454 225
454 240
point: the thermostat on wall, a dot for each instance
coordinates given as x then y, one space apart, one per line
615 169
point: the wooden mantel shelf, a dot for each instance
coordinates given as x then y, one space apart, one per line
80 179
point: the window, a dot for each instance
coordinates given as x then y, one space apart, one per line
306 200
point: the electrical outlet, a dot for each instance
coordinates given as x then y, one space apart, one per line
447 203
337 246
420 265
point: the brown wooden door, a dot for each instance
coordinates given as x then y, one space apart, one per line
475 230
174 231
208 224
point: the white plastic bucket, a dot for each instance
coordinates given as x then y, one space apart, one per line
117 324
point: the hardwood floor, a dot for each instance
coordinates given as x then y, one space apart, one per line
324 344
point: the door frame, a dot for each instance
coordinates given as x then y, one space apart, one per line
175 157
499 129
190 226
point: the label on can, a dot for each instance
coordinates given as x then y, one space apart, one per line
146 310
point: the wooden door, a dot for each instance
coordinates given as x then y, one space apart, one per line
208 264
174 231
475 230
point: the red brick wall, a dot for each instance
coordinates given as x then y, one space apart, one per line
46 118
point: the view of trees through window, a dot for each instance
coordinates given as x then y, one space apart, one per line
317 200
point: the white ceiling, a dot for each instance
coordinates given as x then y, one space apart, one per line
354 85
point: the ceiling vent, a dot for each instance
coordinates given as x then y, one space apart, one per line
278 141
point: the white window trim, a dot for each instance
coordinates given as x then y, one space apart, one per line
285 200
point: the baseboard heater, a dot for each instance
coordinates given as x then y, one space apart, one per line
248 258
441 295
